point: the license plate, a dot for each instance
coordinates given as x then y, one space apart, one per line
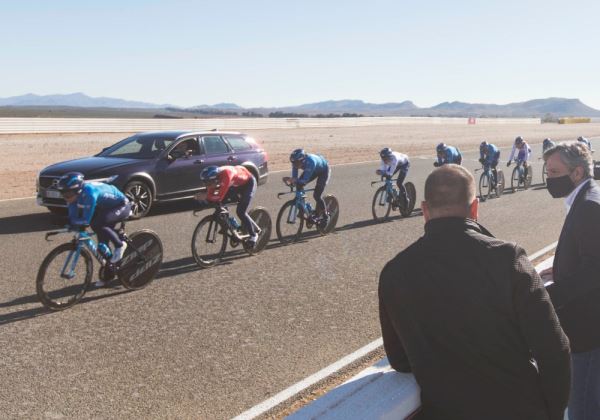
52 194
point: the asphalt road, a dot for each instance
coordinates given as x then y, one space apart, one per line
212 343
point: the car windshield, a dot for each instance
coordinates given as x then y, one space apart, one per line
137 147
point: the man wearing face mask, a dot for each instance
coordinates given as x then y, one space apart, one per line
575 291
466 312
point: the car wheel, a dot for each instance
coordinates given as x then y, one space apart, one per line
140 197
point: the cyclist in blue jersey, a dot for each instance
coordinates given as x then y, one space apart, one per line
97 205
447 154
489 156
547 144
393 163
313 167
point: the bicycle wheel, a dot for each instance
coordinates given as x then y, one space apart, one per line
411 191
57 291
515 179
141 260
381 207
290 221
500 183
208 245
332 207
485 187
262 218
544 173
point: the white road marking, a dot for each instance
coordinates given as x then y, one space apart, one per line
298 387
20 198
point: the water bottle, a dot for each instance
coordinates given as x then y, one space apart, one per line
309 207
233 223
104 250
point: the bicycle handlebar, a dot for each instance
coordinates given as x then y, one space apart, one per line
383 180
279 195
56 232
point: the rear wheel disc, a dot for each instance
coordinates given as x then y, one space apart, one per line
263 220
136 271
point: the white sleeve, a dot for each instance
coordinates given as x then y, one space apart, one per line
392 167
512 153
382 167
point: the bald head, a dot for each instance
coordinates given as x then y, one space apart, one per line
449 192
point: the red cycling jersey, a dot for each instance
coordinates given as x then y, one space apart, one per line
229 176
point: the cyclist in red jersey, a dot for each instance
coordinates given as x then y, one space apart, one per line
233 182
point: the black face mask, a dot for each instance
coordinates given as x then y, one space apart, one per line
560 186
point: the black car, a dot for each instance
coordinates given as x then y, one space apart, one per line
157 166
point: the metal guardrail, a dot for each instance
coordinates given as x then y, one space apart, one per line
126 125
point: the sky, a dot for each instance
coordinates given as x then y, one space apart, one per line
276 53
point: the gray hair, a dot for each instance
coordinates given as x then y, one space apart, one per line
449 187
573 154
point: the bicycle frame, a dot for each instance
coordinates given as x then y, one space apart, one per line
81 239
221 219
300 203
389 189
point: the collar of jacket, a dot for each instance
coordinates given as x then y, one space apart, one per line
446 225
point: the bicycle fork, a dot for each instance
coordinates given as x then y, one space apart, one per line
70 264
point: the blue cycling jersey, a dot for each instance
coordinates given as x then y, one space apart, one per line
94 195
311 166
451 155
491 154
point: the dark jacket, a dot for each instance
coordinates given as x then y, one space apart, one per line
466 312
576 289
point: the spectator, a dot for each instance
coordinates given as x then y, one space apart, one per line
466 312
575 292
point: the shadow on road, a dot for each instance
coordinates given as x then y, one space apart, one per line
41 310
372 222
28 223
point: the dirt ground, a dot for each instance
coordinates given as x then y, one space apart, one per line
26 154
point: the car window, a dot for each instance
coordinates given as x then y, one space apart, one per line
214 145
238 143
188 144
137 148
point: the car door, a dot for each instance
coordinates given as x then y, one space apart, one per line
216 151
181 173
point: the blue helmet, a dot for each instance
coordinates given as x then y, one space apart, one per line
519 140
582 139
71 181
386 152
209 173
483 145
441 147
547 143
298 154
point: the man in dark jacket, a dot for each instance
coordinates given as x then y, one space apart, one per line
467 313
575 292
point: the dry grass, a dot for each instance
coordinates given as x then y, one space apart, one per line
27 154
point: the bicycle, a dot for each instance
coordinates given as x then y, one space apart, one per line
296 212
387 197
490 180
518 180
214 231
136 270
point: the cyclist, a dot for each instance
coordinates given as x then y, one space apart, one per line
489 156
522 156
547 144
447 154
313 167
585 141
235 182
97 205
393 163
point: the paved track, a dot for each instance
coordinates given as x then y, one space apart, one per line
212 343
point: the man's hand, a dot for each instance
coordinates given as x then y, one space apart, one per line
508 164
379 172
547 275
481 160
436 164
201 196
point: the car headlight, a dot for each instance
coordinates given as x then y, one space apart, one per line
107 180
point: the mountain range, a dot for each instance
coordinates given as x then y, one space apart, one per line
534 108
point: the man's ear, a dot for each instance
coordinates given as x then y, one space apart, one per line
425 210
474 209
577 175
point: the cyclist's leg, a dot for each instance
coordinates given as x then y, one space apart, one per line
402 172
246 195
322 180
